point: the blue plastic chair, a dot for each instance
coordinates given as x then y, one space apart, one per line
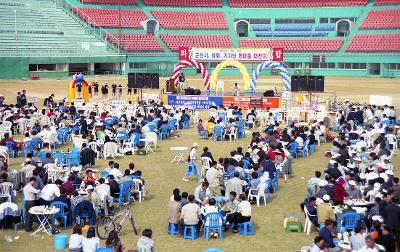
173 229
172 124
20 213
164 131
61 214
213 250
311 148
246 163
83 215
29 147
74 158
63 135
37 142
60 158
122 135
132 176
108 122
293 146
186 122
190 232
104 250
191 169
202 134
240 131
218 131
246 228
41 155
152 126
104 174
351 220
124 193
11 149
275 181
214 223
267 189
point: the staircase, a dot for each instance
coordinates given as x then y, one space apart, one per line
231 24
149 15
354 29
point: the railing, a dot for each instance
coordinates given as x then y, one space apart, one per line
93 29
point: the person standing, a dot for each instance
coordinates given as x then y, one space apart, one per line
79 88
30 195
114 88
96 88
236 90
192 160
129 90
119 91
182 80
104 90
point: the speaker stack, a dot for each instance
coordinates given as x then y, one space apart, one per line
308 83
192 91
144 80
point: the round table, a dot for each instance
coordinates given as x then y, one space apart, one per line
43 214
359 203
179 154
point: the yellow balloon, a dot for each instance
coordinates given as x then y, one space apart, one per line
231 62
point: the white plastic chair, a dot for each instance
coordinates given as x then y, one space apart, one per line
232 134
308 224
260 194
153 137
95 147
136 183
6 190
205 165
51 171
392 141
110 150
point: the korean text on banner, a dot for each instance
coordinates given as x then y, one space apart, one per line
199 102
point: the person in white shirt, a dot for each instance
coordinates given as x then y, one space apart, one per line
30 195
91 243
192 161
116 172
75 240
371 246
211 208
201 192
243 213
190 213
109 167
299 140
318 244
50 192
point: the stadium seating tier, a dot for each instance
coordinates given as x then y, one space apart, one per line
206 41
382 19
191 19
195 3
295 45
295 3
374 43
135 42
109 1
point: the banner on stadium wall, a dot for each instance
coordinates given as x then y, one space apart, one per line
202 102
243 54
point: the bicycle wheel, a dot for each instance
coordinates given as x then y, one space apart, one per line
104 227
133 224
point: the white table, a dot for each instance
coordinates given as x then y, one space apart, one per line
179 154
43 214
147 144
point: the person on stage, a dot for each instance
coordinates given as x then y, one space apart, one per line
182 83
236 90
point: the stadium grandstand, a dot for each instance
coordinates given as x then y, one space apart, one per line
332 37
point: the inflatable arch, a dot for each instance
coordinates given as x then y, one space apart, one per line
275 65
197 65
71 90
231 62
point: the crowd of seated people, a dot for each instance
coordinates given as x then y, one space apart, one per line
358 183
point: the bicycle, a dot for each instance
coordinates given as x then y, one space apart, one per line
109 223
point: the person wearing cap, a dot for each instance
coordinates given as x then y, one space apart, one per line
352 191
325 211
90 243
339 193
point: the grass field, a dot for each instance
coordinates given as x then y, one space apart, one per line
161 177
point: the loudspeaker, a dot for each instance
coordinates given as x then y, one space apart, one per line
189 91
138 80
295 83
131 80
147 80
269 93
155 80
320 84
303 83
311 83
196 91
135 80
